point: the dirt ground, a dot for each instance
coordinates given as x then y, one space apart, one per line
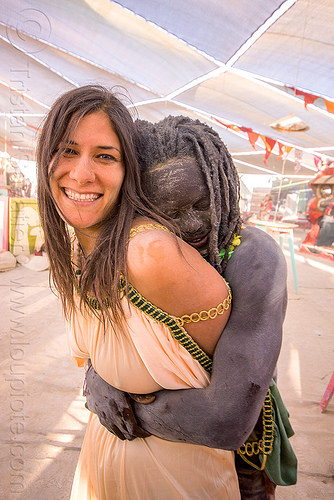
43 417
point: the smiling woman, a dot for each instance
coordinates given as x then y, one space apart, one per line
124 310
88 177
73 163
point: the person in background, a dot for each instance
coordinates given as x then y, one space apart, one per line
326 233
266 207
188 173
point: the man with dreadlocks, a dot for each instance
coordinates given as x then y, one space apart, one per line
189 174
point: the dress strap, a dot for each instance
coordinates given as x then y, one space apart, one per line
147 227
179 334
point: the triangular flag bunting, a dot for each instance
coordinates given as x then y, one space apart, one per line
310 98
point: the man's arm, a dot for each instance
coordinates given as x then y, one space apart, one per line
223 414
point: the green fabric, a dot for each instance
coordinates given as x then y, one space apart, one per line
281 464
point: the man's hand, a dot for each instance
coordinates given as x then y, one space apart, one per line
144 399
113 407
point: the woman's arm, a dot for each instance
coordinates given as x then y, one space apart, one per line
224 413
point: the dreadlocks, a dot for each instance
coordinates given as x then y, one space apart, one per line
178 137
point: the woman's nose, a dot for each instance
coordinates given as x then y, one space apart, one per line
82 170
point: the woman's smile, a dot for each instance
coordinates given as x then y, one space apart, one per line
81 197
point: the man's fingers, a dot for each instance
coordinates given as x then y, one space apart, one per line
141 433
115 430
144 399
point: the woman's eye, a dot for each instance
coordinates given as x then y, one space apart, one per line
105 156
69 152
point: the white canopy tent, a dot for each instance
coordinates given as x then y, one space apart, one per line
227 63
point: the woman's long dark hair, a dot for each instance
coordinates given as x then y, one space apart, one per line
101 274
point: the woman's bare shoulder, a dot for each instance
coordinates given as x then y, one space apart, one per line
156 255
165 269
175 277
149 245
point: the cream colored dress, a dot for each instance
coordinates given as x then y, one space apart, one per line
143 359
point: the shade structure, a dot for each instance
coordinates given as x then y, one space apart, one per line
240 66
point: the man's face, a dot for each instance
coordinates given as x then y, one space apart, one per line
180 191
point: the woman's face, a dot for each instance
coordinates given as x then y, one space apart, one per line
88 178
180 191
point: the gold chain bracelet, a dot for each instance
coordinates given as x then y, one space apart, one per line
264 445
205 315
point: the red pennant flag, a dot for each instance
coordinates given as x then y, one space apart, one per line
269 144
308 98
228 125
253 137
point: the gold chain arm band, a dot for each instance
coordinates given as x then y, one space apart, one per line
264 445
204 315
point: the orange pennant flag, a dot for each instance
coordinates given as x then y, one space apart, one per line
253 137
329 106
287 150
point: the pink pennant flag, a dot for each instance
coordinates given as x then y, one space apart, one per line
298 159
317 162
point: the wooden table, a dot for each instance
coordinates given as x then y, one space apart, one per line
283 228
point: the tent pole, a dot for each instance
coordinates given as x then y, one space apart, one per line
279 189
